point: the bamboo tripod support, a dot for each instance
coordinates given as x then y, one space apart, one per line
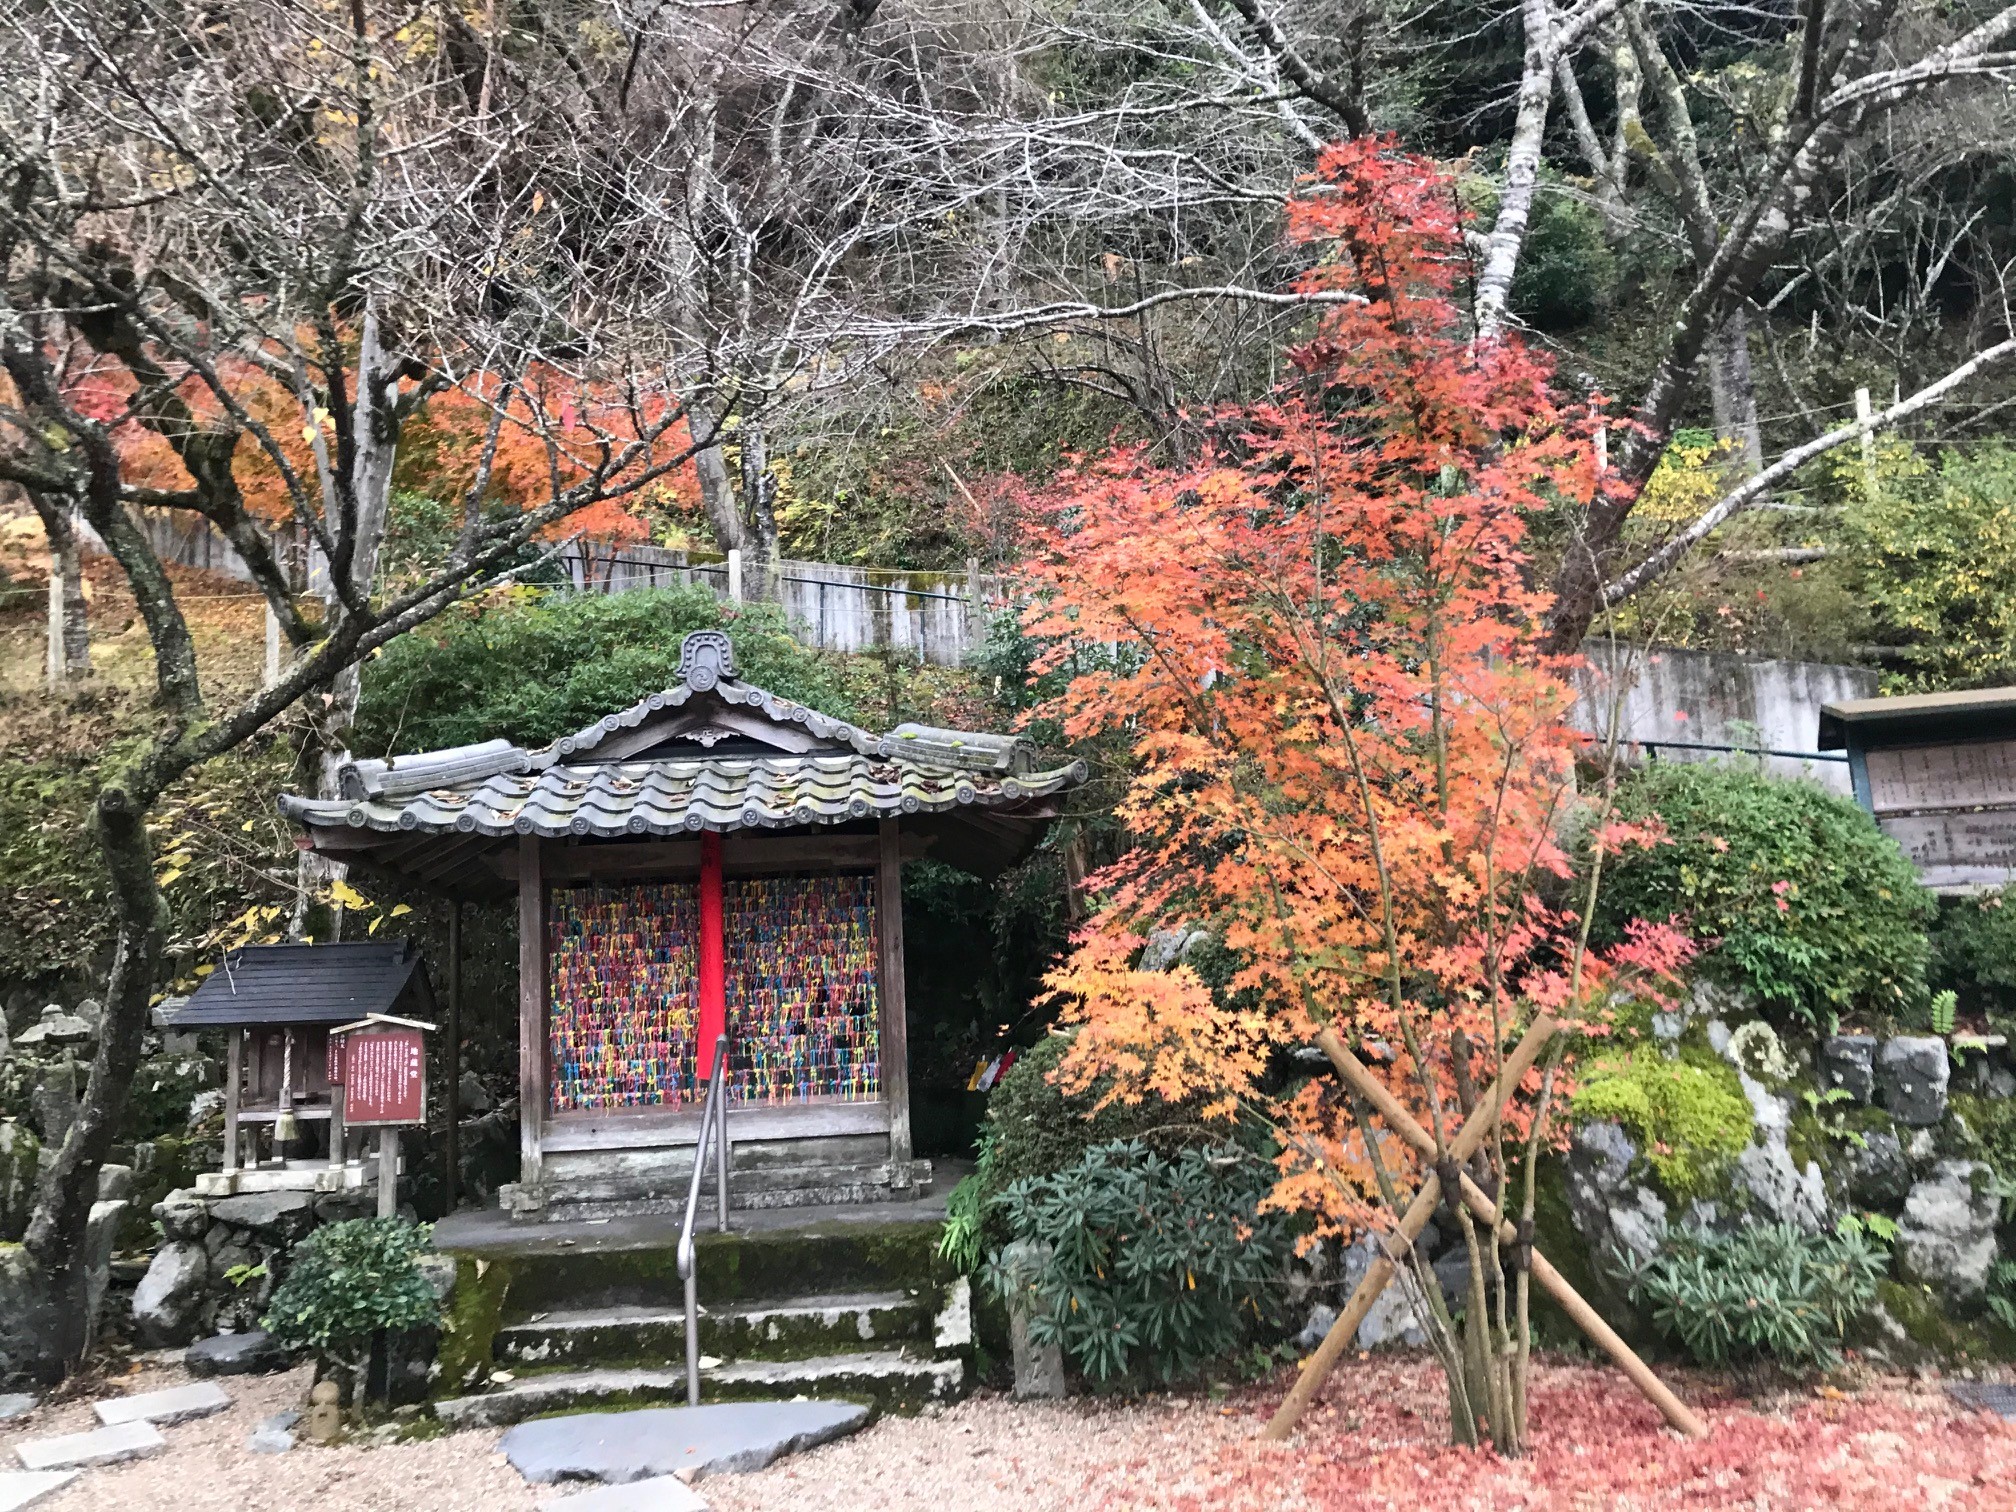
1571 1302
1316 1370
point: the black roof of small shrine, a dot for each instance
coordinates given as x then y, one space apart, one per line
306 984
709 753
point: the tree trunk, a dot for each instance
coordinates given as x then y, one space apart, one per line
67 1184
1734 391
1522 171
69 618
717 495
759 509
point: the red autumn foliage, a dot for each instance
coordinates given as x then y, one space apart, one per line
1344 746
1376 1441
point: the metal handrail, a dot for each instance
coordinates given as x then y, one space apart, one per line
713 1119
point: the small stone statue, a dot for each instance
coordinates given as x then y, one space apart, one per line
325 1413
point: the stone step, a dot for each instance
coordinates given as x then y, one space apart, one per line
178 1404
660 1446
101 1446
887 1378
653 1334
21 1489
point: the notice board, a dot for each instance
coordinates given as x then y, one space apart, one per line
384 1076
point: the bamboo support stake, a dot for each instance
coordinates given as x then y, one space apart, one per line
1316 1369
1556 1285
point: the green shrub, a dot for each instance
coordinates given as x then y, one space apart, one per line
1769 1291
1156 1268
1793 893
1974 953
1689 1117
347 1283
1033 1129
537 666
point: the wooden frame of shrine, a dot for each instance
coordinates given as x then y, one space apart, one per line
714 856
278 1005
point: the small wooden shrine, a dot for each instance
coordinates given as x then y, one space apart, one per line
714 857
284 1125
1938 771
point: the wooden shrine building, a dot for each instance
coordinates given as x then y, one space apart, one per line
1938 771
714 856
284 1125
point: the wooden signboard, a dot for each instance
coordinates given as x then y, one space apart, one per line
384 1076
1951 807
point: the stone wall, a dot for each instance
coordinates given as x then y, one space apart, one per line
220 1259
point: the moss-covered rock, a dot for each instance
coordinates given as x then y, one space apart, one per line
1687 1112
1930 1333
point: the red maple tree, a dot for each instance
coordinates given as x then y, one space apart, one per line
1319 644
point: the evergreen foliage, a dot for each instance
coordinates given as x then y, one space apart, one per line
1156 1268
348 1282
1768 1291
531 667
1794 894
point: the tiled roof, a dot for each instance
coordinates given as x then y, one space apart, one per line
305 984
685 794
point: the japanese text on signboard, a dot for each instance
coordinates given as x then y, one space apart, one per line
384 1077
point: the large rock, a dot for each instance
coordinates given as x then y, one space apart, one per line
253 1352
1880 1176
183 1215
101 1237
1039 1368
1391 1322
20 1155
281 1217
168 1303
27 1320
1946 1238
726 1437
1618 1216
1848 1061
1911 1076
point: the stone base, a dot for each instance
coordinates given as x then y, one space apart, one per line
752 1191
295 1176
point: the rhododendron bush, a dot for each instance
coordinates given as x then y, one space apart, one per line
1347 754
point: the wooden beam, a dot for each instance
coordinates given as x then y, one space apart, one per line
451 1065
234 1077
1403 1123
1316 1369
894 1049
531 1008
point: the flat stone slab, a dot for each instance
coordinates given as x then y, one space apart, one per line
661 1493
621 1447
24 1488
15 1404
176 1405
101 1446
1984 1396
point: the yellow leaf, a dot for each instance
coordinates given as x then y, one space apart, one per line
203 971
247 825
168 876
400 911
374 924
347 896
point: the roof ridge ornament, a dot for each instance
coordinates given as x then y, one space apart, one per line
706 657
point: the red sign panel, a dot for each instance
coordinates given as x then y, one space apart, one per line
384 1076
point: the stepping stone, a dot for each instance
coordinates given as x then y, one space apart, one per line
101 1446
618 1447
16 1404
1984 1396
24 1488
661 1493
176 1405
250 1353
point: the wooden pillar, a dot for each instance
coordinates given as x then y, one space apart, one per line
713 957
234 1078
895 1026
531 1009
388 1173
451 1065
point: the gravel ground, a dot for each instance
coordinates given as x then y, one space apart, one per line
1377 1440
985 1452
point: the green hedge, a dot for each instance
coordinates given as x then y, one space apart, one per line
536 666
1793 893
